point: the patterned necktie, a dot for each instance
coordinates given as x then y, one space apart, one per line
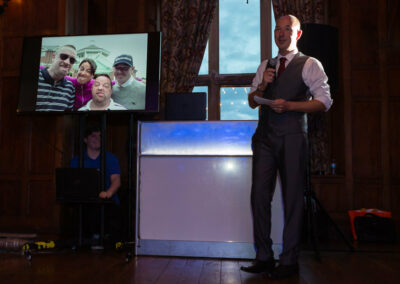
281 66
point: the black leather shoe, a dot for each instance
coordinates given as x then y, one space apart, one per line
284 271
259 266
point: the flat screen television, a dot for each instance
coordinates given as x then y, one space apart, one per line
57 73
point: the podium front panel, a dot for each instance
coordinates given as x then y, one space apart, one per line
193 197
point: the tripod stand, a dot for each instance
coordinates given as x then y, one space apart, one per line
311 205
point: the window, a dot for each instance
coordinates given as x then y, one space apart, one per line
234 105
204 64
240 38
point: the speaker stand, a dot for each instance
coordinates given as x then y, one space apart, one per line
312 206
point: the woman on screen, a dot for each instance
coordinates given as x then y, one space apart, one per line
83 82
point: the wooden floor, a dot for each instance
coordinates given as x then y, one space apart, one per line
372 265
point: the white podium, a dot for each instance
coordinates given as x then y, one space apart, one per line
193 197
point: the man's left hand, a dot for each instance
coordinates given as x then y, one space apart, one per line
280 105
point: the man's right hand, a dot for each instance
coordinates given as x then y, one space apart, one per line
104 195
268 77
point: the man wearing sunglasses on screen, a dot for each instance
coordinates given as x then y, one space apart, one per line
55 93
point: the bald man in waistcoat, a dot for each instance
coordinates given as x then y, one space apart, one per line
296 84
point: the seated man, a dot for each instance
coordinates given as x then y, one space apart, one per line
101 95
91 159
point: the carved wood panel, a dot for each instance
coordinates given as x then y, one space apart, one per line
393 81
117 135
365 83
97 17
31 18
331 192
368 195
395 199
366 148
364 38
136 16
393 32
43 145
46 16
10 197
13 129
41 200
15 18
394 141
12 56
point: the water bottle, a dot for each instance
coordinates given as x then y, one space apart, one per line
333 167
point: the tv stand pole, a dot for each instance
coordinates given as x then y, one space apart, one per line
82 127
103 129
131 190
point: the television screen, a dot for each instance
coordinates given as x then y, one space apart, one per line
74 74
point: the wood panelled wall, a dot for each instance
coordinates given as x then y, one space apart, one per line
372 49
364 121
31 147
369 100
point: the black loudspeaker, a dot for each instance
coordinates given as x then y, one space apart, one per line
321 42
185 106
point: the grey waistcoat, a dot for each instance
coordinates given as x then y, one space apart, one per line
289 86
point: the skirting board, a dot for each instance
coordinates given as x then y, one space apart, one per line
200 249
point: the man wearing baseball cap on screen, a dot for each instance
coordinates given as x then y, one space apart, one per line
127 91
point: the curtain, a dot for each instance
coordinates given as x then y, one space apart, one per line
310 11
307 11
185 27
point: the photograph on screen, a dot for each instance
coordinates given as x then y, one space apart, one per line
84 73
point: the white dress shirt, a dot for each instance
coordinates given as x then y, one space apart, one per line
313 74
112 106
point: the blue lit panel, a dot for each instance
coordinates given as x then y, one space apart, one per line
197 138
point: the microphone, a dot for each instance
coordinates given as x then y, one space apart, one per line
272 63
